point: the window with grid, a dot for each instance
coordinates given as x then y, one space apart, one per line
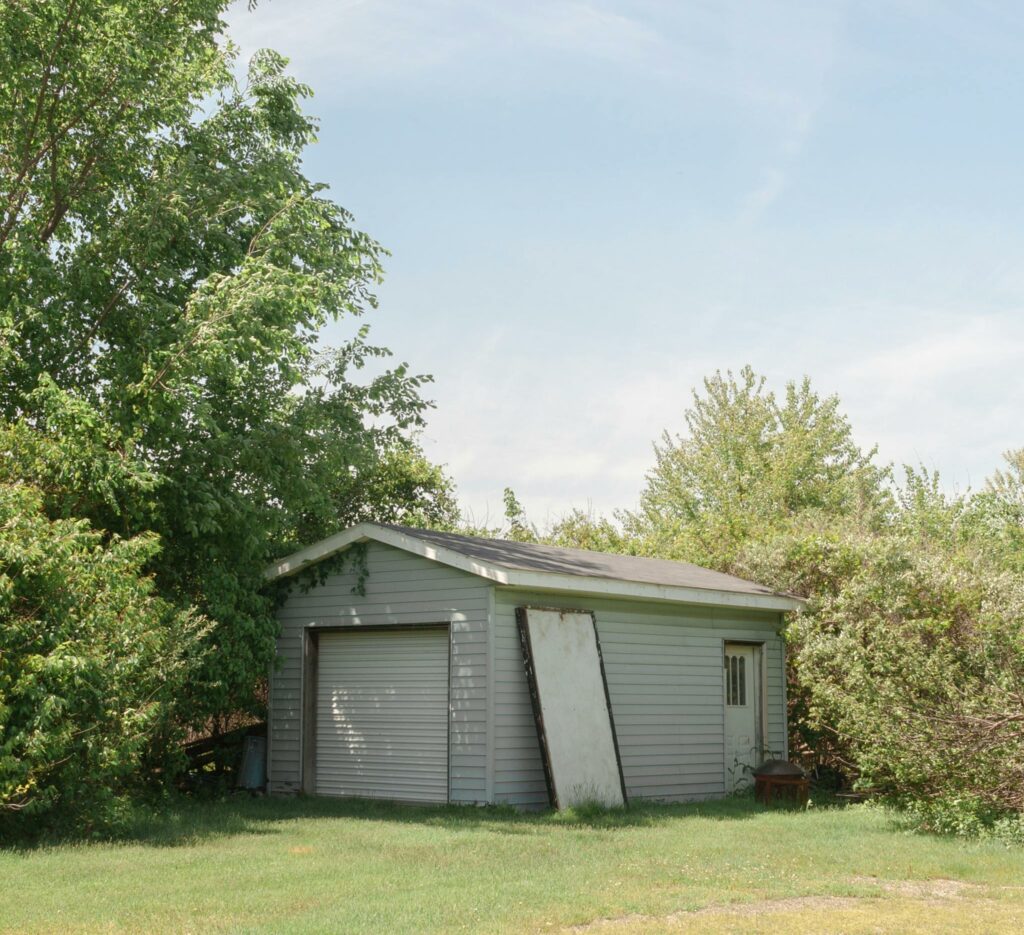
735 680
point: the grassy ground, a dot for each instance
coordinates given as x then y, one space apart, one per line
322 866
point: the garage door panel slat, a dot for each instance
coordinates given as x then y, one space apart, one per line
382 714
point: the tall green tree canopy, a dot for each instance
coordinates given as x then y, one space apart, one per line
165 270
748 463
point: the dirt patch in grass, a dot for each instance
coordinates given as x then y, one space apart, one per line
926 889
934 889
920 892
760 907
824 915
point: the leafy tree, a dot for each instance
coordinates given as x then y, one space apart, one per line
91 661
580 530
520 529
748 464
997 513
1008 484
165 269
400 486
516 526
910 656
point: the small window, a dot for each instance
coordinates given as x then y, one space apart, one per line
735 681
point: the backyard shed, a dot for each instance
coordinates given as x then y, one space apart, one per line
401 672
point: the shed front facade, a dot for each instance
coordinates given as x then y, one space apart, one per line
401 674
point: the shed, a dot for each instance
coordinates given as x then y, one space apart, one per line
401 674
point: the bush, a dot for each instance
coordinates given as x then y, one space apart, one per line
91 662
910 656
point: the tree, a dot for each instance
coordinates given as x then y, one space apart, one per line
91 661
516 527
165 269
910 657
998 513
748 465
585 530
1008 484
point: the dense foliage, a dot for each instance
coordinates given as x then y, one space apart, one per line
909 657
748 464
165 271
907 664
90 660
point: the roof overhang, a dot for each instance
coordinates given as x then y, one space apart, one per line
519 578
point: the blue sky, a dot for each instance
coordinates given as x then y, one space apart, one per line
592 205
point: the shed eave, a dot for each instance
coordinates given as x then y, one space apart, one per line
367 532
642 591
527 580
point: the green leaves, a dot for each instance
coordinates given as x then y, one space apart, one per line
91 660
907 664
165 270
748 464
916 663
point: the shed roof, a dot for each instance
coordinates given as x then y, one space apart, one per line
551 568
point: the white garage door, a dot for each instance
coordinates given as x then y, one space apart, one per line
382 714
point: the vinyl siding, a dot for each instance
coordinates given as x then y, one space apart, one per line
383 713
401 588
664 668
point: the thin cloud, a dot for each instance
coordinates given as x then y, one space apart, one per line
773 183
767 58
586 28
974 345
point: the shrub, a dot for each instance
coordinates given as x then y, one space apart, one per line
91 662
914 661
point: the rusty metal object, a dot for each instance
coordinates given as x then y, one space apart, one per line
780 779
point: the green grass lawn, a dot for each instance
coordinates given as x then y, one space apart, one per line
285 866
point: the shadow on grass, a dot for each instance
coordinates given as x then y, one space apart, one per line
185 821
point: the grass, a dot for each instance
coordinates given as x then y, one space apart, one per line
289 866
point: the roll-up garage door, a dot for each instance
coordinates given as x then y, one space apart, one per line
382 714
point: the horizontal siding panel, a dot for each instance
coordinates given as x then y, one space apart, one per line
616 667
394 608
664 670
400 588
318 600
672 758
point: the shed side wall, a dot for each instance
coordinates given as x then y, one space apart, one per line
664 668
400 589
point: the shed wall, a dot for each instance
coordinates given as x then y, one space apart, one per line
400 589
664 668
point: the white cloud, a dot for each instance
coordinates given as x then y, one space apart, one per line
946 397
770 56
334 43
579 433
587 28
773 183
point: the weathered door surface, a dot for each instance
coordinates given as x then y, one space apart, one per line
382 714
574 721
742 679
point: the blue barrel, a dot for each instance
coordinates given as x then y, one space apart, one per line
252 774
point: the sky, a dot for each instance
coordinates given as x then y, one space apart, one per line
590 206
